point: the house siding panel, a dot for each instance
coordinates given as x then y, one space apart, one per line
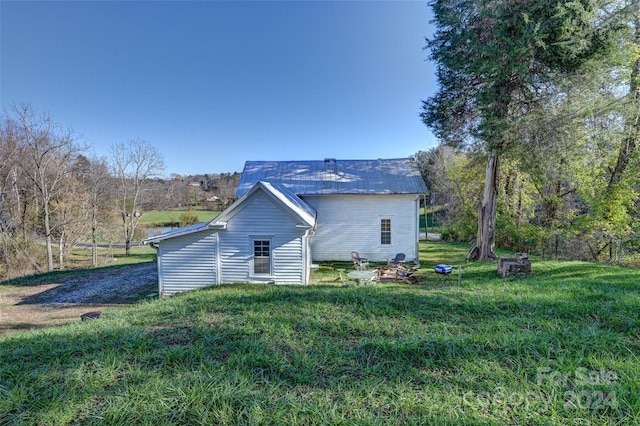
260 217
352 223
188 262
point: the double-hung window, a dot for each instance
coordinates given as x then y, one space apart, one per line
262 257
385 231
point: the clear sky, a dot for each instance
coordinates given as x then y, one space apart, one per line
213 84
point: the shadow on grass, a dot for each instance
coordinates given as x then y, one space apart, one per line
383 354
22 326
312 355
43 278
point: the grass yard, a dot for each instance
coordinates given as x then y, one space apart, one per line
559 347
81 257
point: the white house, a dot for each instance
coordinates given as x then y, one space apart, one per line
292 212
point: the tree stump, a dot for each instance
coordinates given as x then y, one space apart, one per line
520 264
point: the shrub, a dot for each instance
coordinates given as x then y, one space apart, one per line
190 217
524 237
463 226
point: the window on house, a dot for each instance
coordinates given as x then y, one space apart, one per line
261 257
385 231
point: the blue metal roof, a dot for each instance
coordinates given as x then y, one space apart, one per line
331 176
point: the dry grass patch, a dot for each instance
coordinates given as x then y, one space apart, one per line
59 298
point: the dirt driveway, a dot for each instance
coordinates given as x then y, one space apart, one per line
35 306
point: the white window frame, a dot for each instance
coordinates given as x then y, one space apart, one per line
380 231
253 240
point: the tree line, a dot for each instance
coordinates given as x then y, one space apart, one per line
538 114
54 193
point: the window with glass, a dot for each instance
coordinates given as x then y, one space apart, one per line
385 231
261 256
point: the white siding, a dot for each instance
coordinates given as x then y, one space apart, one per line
348 223
187 262
260 217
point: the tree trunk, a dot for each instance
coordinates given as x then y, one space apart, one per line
128 236
487 216
47 231
61 253
94 243
629 143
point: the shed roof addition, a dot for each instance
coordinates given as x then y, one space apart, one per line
332 176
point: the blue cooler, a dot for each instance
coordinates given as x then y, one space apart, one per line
443 269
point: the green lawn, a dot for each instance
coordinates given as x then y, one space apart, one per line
558 347
81 257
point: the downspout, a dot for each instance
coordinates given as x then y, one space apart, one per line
309 232
418 226
306 254
155 245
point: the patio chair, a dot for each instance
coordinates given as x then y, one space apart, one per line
360 263
396 261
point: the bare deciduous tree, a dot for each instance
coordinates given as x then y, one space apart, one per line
98 182
70 221
46 151
133 164
10 196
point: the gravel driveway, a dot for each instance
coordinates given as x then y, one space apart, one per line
26 307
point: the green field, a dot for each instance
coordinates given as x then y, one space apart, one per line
559 347
157 219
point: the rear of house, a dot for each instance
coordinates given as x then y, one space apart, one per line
368 206
291 213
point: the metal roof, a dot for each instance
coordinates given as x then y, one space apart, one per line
332 176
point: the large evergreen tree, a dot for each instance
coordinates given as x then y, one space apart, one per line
497 60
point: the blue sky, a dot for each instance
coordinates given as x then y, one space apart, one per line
213 84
